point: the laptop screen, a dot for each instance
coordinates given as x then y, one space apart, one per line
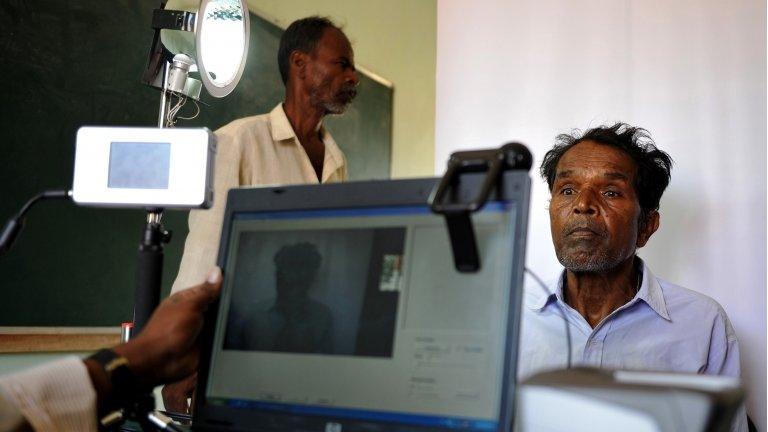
360 314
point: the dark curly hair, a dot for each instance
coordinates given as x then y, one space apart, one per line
302 35
653 165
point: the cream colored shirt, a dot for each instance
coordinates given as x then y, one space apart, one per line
259 150
57 396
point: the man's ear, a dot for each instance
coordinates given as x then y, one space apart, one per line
298 63
647 228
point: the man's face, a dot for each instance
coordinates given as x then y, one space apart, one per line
594 211
331 77
293 284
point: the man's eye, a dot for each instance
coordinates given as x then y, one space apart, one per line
566 191
611 194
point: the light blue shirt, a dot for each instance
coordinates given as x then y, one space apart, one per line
665 327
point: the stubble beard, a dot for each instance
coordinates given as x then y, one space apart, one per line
335 108
331 104
593 260
599 262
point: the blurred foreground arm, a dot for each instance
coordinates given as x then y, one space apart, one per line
69 394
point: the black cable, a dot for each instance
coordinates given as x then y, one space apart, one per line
50 194
559 309
15 224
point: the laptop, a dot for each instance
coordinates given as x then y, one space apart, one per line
341 310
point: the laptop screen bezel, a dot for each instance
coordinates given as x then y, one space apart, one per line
514 187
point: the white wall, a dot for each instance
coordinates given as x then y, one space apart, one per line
692 72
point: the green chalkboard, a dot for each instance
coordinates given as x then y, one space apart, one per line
66 64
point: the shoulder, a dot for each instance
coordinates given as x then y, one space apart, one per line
677 296
317 310
243 126
234 138
688 305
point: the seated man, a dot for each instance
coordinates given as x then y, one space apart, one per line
605 190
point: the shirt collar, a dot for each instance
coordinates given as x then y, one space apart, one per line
650 292
282 131
541 299
334 158
281 127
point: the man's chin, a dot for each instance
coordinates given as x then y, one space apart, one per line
578 263
336 108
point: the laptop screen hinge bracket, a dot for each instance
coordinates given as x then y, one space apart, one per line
457 214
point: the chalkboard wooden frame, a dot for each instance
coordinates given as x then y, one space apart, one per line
57 339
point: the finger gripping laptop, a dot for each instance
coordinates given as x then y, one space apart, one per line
341 310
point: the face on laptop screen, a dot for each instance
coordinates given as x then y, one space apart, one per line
361 314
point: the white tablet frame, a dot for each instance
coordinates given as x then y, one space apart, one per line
190 176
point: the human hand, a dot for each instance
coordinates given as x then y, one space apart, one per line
167 349
176 395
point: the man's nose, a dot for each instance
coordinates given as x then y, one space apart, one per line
352 78
586 202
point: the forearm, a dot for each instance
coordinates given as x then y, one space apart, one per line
55 396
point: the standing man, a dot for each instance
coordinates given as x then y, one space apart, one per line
606 186
287 146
